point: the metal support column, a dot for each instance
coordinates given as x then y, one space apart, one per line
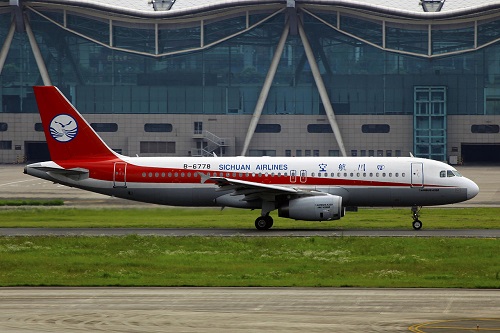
321 89
265 89
38 56
6 45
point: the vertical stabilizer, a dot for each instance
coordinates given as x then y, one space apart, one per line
68 135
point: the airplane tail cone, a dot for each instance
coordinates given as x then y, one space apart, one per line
68 135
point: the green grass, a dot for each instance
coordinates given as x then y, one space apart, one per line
31 202
365 218
256 261
236 261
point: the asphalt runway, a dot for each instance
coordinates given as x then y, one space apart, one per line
182 232
220 310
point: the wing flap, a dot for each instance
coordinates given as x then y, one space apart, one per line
228 184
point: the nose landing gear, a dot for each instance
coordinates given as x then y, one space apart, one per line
417 224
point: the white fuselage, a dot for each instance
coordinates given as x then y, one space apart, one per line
360 181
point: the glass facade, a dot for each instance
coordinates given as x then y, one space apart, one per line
217 65
116 73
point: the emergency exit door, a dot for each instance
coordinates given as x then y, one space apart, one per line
120 175
417 174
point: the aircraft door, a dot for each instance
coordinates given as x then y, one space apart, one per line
417 174
303 176
293 176
120 174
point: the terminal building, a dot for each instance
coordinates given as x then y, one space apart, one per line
258 77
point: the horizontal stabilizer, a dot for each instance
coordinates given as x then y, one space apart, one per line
73 173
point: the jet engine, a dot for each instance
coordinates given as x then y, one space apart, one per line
314 208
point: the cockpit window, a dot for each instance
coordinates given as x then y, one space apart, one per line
449 173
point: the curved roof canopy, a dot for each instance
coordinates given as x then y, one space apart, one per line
400 26
405 8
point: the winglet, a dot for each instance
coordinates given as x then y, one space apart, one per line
68 135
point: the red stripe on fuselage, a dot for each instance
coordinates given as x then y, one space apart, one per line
103 170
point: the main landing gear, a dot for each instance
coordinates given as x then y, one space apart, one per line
264 222
417 224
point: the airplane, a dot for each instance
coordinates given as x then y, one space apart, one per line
300 188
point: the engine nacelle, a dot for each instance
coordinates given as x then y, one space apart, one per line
314 208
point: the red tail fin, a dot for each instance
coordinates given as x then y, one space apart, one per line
68 135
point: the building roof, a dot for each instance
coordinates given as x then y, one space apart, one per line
407 8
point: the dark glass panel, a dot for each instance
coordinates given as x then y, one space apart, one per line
55 15
268 128
104 127
362 28
319 128
446 40
329 17
486 128
158 127
375 128
407 38
90 27
215 31
136 37
488 31
178 37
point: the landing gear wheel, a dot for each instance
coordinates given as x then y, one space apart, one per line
415 212
417 225
264 222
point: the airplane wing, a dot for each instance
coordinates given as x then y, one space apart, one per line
254 190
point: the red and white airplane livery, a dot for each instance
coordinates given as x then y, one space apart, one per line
301 188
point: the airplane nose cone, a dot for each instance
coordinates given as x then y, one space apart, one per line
472 190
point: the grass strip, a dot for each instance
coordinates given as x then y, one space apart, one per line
31 202
365 218
267 262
